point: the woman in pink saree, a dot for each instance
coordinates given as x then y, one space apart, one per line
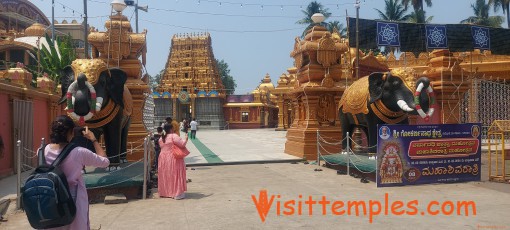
171 170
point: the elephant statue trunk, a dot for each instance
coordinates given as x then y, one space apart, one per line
384 98
81 97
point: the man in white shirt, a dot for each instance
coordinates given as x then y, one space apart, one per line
193 126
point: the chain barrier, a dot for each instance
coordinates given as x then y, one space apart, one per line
349 151
30 152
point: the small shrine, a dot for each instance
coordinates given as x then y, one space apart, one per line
255 110
316 92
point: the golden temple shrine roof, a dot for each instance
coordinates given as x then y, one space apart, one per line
36 30
266 84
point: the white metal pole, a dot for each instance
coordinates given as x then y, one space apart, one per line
39 157
18 171
348 153
144 168
318 153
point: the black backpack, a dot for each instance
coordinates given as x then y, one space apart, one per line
45 196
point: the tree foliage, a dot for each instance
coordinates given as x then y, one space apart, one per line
312 8
51 62
482 17
228 81
393 11
336 26
505 5
155 80
418 16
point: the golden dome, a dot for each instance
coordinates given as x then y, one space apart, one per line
256 91
283 79
266 84
36 30
380 57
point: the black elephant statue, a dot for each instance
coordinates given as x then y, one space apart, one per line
97 97
384 98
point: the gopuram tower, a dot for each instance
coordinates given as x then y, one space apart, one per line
191 86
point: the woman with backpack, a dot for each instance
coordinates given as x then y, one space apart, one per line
71 166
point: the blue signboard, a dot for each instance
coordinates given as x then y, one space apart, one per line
423 154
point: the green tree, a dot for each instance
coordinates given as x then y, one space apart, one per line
419 17
393 11
505 5
482 17
419 12
228 81
312 8
155 80
336 26
50 61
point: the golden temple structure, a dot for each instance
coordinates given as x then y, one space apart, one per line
120 47
317 87
191 86
255 110
467 86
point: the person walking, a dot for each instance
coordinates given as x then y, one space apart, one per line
185 126
157 148
61 134
193 126
171 170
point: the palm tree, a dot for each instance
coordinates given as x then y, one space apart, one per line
419 17
505 5
418 9
394 11
336 26
312 8
482 17
417 4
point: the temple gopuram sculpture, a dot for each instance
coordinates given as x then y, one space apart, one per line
191 86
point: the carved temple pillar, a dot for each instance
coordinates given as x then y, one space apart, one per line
281 110
174 108
450 83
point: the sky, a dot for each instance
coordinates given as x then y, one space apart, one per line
254 37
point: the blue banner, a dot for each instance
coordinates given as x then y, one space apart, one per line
424 154
387 34
481 38
436 37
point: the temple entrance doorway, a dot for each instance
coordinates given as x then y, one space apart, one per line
184 112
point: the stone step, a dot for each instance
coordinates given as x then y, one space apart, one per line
115 199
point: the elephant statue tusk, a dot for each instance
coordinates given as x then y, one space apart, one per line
99 103
403 105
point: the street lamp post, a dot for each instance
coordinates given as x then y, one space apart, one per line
85 29
53 20
137 7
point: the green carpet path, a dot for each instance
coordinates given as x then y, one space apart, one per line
209 155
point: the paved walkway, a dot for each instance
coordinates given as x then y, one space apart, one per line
220 197
236 146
